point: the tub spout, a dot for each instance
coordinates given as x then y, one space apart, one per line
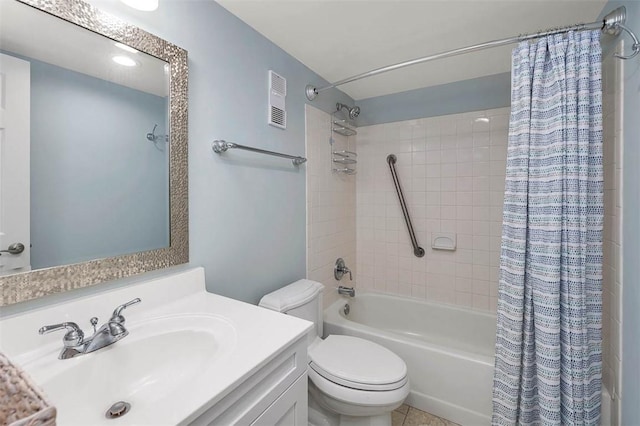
347 291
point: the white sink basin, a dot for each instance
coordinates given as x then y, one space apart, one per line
147 369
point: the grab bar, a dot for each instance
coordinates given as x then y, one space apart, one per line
221 146
417 250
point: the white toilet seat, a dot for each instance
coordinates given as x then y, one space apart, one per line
357 385
382 400
357 364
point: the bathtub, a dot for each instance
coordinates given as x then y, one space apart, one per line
449 351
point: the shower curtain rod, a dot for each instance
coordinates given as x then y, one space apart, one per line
612 23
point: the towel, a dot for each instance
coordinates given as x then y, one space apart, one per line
22 403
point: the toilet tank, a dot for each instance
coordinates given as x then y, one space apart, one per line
301 299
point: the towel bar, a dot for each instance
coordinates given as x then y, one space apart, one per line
220 146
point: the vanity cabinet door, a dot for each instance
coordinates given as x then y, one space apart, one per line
259 392
289 409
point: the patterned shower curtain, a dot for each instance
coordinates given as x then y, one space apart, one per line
548 349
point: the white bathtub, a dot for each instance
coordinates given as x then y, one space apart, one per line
448 350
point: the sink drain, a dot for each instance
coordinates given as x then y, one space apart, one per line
118 410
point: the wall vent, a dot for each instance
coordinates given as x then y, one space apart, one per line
277 95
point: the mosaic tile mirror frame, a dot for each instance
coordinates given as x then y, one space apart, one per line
23 286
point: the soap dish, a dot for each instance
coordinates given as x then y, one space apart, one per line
443 241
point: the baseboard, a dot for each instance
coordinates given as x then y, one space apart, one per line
448 411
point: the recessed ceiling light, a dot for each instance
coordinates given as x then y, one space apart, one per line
146 5
481 120
126 48
125 61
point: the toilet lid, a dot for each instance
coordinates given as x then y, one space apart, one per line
358 363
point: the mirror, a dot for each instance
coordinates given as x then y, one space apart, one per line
94 140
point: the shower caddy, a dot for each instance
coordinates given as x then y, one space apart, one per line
343 161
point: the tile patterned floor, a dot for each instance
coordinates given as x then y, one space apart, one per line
409 416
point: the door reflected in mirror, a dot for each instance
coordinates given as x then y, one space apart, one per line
85 147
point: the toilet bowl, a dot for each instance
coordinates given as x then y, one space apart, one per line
352 381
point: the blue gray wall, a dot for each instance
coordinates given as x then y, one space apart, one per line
631 225
98 186
493 91
247 211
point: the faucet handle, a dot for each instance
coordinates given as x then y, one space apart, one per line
340 269
116 316
73 337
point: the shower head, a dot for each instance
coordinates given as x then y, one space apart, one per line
353 112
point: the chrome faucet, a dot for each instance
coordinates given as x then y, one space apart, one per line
74 342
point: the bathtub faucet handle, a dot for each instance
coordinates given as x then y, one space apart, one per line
340 269
347 291
347 270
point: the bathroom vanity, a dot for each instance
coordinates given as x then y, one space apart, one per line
191 357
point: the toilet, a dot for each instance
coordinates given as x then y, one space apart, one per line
352 381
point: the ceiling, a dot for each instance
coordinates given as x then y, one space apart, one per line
69 46
341 38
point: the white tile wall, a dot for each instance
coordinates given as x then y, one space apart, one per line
452 170
331 205
612 235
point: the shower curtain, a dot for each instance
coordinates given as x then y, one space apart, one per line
548 348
